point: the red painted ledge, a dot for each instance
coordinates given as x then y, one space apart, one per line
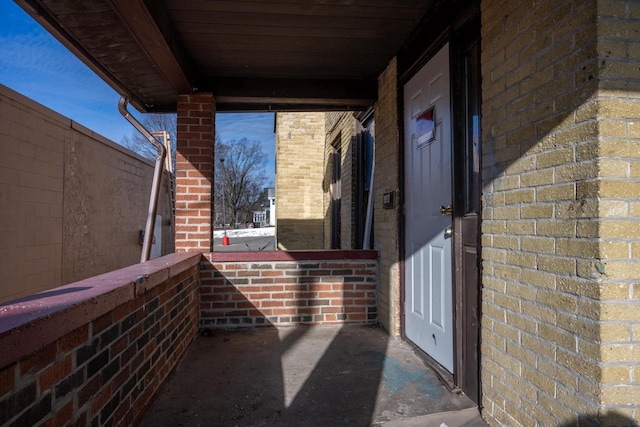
29 323
317 255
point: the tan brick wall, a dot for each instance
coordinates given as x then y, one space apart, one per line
341 126
618 192
559 154
299 180
71 201
385 221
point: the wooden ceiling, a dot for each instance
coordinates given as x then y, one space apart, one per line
254 55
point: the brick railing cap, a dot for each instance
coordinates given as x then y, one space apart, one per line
28 323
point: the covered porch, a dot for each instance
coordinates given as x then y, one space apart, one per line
188 339
101 350
539 203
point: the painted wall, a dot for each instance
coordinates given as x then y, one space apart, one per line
71 202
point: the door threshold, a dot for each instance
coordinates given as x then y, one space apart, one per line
445 377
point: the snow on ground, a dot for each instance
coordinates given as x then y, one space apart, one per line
246 232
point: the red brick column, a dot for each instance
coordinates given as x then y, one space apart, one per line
194 172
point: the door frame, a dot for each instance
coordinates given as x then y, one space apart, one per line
467 299
449 22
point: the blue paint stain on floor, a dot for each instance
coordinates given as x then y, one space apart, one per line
398 376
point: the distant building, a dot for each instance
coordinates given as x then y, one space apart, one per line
267 216
323 175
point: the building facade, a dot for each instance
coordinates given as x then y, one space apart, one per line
299 175
506 183
267 216
347 165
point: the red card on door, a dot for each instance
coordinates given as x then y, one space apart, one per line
425 127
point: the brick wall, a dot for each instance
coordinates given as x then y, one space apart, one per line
560 301
244 290
71 201
99 357
385 221
194 172
341 126
618 193
299 180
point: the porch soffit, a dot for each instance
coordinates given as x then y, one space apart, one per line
252 54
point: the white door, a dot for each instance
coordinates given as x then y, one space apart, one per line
428 285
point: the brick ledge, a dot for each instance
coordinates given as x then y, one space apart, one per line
29 323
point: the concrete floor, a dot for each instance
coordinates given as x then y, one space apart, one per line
315 376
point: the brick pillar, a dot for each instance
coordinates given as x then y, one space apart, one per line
194 172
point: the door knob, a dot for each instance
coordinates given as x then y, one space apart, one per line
448 233
446 210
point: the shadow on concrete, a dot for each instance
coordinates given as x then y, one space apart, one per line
322 376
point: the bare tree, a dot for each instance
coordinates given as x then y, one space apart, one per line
241 175
154 123
239 178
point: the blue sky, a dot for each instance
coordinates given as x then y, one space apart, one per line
36 65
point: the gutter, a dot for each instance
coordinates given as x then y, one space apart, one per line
157 178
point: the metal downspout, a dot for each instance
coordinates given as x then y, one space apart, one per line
157 178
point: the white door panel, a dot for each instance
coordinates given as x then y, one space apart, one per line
428 285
